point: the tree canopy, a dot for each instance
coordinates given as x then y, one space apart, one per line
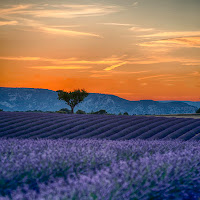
72 98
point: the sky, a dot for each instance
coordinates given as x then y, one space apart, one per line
134 49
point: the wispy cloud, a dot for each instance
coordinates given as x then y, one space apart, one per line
29 15
113 61
67 32
155 76
174 42
140 29
173 34
135 4
114 66
73 11
56 30
130 72
102 72
60 67
195 73
99 75
4 23
20 58
60 10
156 59
192 64
116 24
105 61
14 9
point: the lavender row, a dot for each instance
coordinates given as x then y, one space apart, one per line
53 126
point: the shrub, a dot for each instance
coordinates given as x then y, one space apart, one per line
1 110
100 112
61 112
37 111
65 110
198 111
125 113
80 112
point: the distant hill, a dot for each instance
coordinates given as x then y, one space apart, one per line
192 103
23 99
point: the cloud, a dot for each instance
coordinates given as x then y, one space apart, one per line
155 76
29 15
113 61
139 29
174 42
143 84
192 64
105 61
165 59
135 3
14 9
146 61
114 66
60 11
195 73
184 41
129 72
67 32
99 75
20 58
116 24
56 30
60 67
73 11
4 23
173 34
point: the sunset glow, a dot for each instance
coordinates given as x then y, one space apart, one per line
145 49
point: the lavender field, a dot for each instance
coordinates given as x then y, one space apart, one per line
99 169
24 125
94 157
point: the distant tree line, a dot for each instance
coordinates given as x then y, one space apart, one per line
100 112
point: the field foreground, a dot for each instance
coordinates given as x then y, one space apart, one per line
53 126
99 169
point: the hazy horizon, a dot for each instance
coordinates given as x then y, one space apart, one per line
134 49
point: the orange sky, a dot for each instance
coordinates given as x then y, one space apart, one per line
132 49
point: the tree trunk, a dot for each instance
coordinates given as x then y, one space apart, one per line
72 110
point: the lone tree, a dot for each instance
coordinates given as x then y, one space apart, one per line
72 98
125 113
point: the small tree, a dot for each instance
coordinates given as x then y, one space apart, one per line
100 112
80 112
66 110
198 111
125 113
72 98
